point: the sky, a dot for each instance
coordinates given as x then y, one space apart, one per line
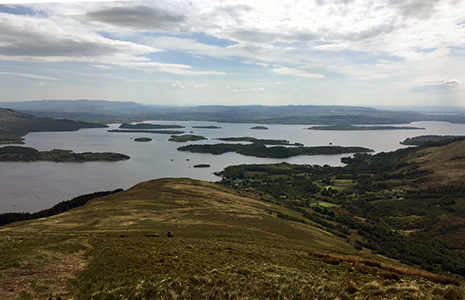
228 52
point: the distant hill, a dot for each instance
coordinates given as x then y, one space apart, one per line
227 244
74 106
119 112
14 124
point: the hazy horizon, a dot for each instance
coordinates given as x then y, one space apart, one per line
419 108
191 53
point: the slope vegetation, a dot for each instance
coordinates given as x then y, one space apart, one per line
227 244
445 165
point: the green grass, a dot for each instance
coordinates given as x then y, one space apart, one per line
324 204
225 246
337 184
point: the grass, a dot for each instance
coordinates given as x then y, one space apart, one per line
386 271
445 163
324 204
337 184
225 246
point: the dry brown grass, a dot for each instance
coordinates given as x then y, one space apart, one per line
369 266
445 164
48 274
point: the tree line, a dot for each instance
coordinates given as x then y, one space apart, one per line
59 208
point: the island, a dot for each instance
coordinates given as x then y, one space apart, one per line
352 128
27 154
186 138
426 139
260 150
149 126
142 139
207 127
147 131
202 166
259 128
258 141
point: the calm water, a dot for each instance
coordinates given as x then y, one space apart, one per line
29 187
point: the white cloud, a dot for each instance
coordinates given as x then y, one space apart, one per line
452 81
154 67
403 44
296 72
29 75
178 84
263 65
30 39
200 85
248 90
383 69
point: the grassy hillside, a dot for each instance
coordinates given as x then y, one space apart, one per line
226 245
444 165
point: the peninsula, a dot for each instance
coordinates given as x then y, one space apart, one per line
424 139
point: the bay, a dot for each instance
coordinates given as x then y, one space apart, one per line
32 186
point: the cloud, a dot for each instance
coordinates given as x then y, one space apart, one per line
380 70
178 84
178 69
139 17
29 76
451 82
201 85
187 45
445 83
26 38
263 65
417 8
248 90
296 72
343 43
